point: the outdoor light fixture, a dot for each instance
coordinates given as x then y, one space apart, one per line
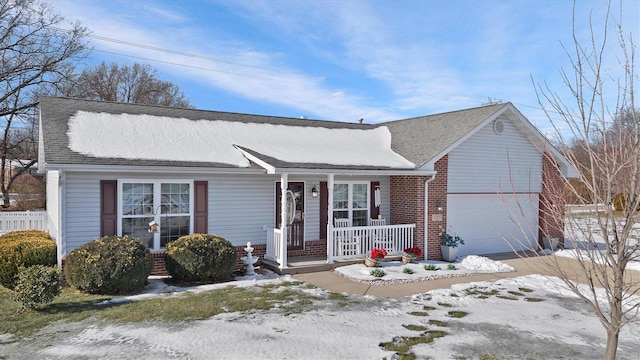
314 192
439 206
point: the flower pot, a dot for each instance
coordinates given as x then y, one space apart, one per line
369 262
449 253
407 259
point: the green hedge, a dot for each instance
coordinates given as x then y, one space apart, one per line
37 285
200 257
109 265
24 234
23 249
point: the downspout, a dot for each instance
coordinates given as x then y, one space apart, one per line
426 216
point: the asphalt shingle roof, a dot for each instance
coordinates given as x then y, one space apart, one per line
420 139
56 111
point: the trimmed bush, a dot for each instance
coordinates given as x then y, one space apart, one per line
200 257
109 265
37 285
23 249
22 234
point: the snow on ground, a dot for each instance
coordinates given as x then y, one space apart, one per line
394 270
576 229
507 324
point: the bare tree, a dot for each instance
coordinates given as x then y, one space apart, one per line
599 133
138 84
35 54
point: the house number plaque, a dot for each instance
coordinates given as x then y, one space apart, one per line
436 217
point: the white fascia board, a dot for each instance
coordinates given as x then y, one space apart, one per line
269 168
407 172
151 169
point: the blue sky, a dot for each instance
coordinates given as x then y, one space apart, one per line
343 60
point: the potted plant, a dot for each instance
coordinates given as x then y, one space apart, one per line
410 254
449 246
377 254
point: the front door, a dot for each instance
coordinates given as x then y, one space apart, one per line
295 231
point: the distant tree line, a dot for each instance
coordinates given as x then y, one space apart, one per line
38 58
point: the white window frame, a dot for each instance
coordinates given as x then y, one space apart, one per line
157 214
350 209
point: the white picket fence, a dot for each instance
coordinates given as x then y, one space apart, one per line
22 220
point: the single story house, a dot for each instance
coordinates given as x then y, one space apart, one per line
114 168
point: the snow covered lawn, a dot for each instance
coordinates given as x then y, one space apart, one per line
524 317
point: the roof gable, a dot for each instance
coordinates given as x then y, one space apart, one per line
424 139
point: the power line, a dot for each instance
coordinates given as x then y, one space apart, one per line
201 68
174 52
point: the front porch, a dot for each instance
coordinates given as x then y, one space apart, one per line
345 245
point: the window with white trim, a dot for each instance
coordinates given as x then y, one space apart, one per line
168 203
351 201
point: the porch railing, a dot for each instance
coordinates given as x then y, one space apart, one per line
360 240
22 220
274 245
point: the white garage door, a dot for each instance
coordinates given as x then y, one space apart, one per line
489 223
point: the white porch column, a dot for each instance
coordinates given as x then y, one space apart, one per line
330 243
284 185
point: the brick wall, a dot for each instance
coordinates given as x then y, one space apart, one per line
407 204
311 248
552 203
437 196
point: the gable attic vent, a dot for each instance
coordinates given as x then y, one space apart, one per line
498 126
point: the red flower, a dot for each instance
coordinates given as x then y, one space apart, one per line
414 251
378 253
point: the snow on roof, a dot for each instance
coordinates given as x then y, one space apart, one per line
150 137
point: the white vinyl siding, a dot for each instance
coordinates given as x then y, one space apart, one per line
242 208
490 163
82 216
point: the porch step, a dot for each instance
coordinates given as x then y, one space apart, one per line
309 264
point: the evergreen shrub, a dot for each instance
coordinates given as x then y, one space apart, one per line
109 265
24 249
200 257
37 285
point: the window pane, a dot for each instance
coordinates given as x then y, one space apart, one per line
174 198
360 218
172 228
340 214
138 228
137 199
340 196
359 196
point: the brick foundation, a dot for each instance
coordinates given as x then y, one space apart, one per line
159 268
